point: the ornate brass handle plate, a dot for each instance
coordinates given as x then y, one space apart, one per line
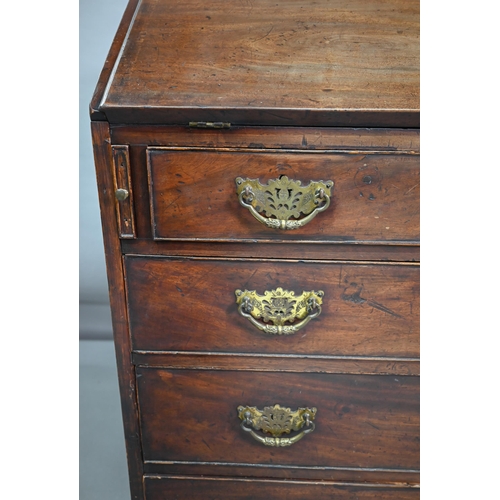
283 198
276 420
279 307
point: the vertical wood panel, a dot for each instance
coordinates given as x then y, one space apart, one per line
122 180
126 371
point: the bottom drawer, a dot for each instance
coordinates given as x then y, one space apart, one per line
361 421
164 487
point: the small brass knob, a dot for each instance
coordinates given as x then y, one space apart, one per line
121 194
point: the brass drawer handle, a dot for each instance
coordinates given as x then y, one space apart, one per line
276 420
284 198
279 306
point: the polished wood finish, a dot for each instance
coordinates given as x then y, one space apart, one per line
366 421
321 91
126 371
334 141
381 140
342 63
341 251
123 182
375 198
388 477
384 365
111 60
190 305
181 487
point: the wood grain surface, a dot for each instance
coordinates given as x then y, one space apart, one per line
374 198
325 90
303 138
111 60
206 488
306 363
114 264
190 305
339 251
122 181
277 471
337 62
367 421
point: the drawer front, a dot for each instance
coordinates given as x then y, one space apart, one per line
190 305
193 195
162 488
366 421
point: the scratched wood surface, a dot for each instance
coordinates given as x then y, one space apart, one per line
114 265
302 138
353 252
179 488
297 363
374 197
333 87
367 421
285 62
320 474
178 304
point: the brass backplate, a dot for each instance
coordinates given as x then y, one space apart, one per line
283 198
279 306
276 420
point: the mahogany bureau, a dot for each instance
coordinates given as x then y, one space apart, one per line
258 173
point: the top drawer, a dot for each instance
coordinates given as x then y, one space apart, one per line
197 195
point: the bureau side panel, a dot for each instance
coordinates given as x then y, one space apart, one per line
114 265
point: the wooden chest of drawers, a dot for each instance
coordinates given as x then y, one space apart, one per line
258 174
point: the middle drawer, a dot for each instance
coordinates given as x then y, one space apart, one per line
180 304
362 421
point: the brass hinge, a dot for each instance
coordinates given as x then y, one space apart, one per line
209 124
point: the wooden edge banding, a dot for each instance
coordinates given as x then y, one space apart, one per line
243 116
390 482
234 149
263 138
122 180
150 192
114 263
332 241
335 252
114 51
290 261
277 363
